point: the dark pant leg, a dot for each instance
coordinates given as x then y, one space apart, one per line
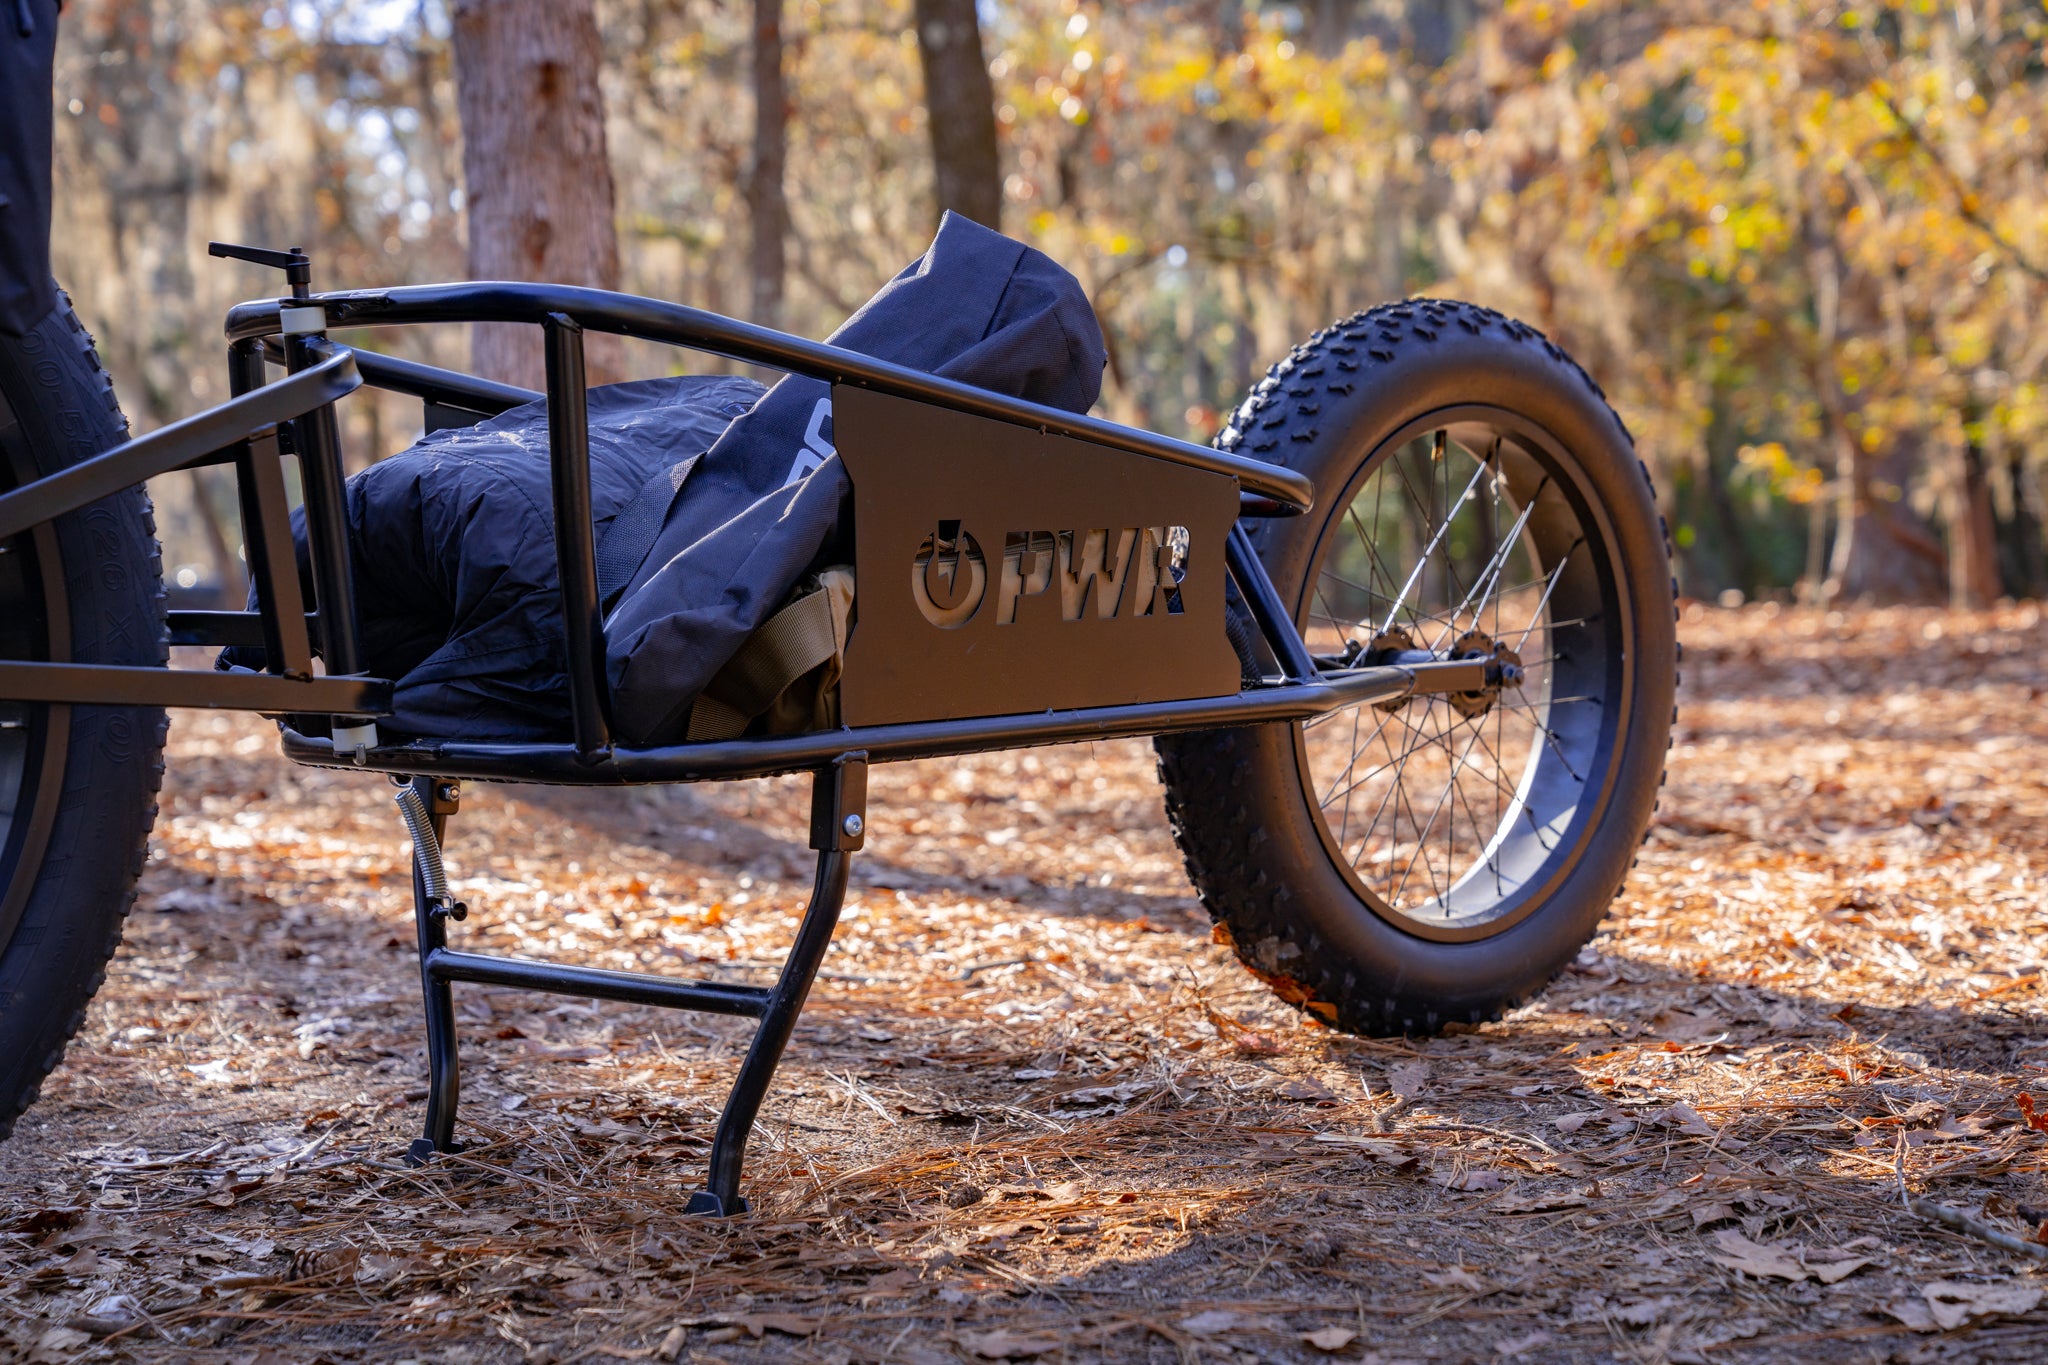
27 292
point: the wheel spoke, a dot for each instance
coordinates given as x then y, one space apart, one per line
1435 544
1494 567
1421 839
1556 576
1422 560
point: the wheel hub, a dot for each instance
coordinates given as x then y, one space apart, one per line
1395 646
1503 670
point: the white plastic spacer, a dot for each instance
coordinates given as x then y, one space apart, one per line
303 321
355 741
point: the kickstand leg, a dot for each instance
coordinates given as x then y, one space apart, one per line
425 803
838 823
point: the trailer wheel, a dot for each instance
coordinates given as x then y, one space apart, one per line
1399 867
78 784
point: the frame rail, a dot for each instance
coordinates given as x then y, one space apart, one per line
599 310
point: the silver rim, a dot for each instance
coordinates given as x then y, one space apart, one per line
1451 814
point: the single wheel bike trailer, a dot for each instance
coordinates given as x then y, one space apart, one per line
1403 635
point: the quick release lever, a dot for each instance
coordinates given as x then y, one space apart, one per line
294 262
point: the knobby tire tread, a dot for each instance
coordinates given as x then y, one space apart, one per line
75 414
1283 420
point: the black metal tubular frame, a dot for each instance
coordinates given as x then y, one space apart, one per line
252 431
295 416
575 549
628 315
838 829
767 756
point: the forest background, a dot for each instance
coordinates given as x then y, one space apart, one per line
1803 246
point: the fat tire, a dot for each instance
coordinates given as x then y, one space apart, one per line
63 410
1234 798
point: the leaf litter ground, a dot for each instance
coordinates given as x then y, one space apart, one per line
1784 1105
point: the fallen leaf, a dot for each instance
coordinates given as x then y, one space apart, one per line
1522 1345
1306 1088
97 1230
1330 1338
1468 1179
1686 1026
1003 1344
1716 1212
1955 1302
890 1282
1833 1272
1643 1313
58 1344
1668 1201
1210 1323
997 1231
1689 1121
1539 1201
1457 1277
1571 1123
81 1264
1753 1258
789 1324
1407 1079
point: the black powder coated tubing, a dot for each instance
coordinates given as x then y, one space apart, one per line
768 756
1267 609
223 627
268 554
575 549
134 685
450 388
634 988
316 439
444 1061
673 324
197 439
245 367
778 1019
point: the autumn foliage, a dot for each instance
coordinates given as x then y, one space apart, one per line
1799 243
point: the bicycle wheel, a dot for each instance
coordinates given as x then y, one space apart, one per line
77 783
1399 867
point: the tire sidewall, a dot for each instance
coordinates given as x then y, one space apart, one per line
1530 378
85 880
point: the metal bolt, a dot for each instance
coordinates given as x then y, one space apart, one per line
451 791
853 825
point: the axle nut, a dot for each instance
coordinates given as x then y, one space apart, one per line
853 825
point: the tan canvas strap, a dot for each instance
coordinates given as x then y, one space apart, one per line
788 645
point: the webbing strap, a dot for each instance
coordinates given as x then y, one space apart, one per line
634 530
788 645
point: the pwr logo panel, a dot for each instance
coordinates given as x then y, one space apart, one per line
1003 570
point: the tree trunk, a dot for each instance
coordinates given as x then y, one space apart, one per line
1973 579
960 105
1881 553
536 172
767 197
2019 512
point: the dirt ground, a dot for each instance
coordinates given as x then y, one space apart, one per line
1034 1113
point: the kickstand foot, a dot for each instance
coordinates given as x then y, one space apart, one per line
711 1206
422 1151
